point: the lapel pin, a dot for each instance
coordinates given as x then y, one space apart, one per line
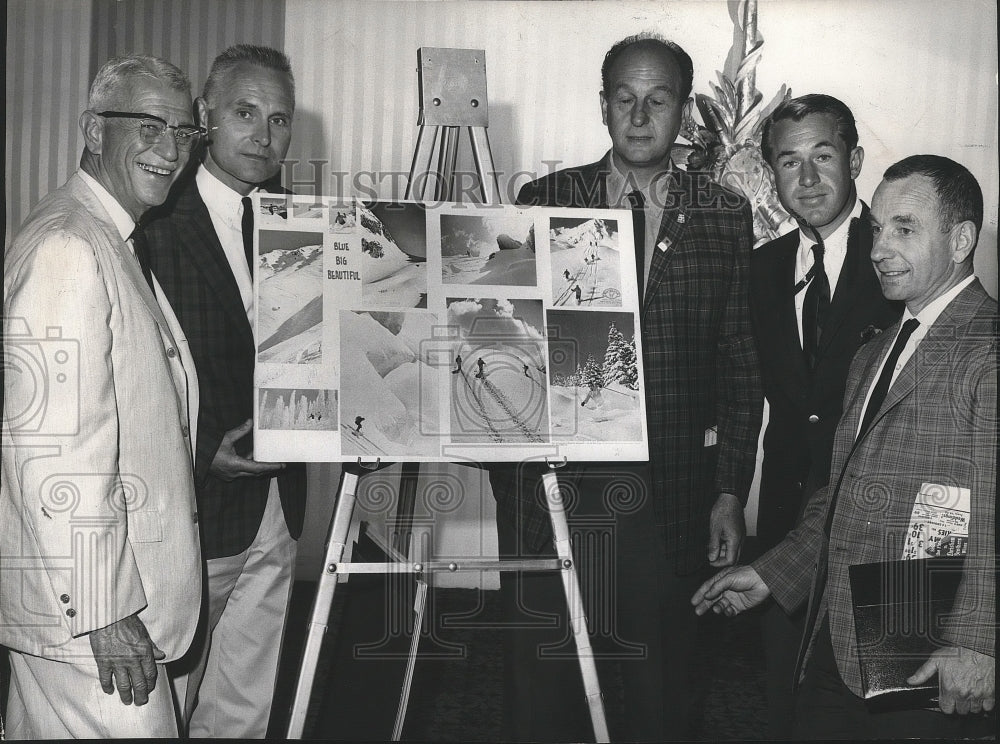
663 245
681 218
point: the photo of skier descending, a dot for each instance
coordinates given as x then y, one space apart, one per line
506 402
458 365
584 253
357 424
594 392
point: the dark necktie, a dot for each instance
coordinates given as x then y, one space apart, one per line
246 224
141 249
816 305
636 202
882 384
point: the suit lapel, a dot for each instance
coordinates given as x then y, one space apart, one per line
675 218
205 251
128 264
938 341
855 262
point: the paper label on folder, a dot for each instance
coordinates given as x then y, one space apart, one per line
940 513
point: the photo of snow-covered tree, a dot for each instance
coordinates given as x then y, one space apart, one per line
394 254
585 259
494 247
389 393
499 376
290 296
594 390
294 409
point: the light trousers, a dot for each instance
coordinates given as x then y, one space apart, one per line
56 700
228 691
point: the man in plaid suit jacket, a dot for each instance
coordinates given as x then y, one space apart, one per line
936 425
657 522
249 519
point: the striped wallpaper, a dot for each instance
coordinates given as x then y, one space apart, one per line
48 49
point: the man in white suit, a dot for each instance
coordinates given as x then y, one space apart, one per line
100 573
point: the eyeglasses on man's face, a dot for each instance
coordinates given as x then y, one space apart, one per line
153 128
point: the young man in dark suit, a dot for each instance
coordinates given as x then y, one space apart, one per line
811 146
249 518
920 413
660 521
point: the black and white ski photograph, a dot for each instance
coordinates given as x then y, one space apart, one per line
489 245
342 218
394 254
290 281
389 392
594 393
274 209
292 409
585 261
499 374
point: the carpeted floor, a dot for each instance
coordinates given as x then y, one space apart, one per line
457 684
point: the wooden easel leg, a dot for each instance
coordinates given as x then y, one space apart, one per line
339 528
574 603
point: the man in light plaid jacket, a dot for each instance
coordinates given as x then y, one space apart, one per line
936 424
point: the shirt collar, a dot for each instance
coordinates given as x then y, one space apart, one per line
619 186
838 237
218 197
935 307
121 219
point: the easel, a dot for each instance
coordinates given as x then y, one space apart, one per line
454 82
452 95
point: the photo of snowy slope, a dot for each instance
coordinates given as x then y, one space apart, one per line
290 297
394 254
594 389
498 386
273 208
389 394
341 218
585 262
492 248
301 410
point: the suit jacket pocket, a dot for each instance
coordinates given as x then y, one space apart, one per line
144 526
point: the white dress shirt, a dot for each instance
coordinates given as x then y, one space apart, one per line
834 253
225 207
926 317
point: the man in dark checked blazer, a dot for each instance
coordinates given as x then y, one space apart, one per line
811 146
249 518
667 518
920 412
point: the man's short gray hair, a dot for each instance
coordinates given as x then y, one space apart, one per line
112 79
262 56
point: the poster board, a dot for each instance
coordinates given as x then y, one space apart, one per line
444 333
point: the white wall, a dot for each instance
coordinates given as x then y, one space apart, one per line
920 76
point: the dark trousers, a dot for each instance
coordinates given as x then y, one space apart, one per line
780 633
639 618
827 709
